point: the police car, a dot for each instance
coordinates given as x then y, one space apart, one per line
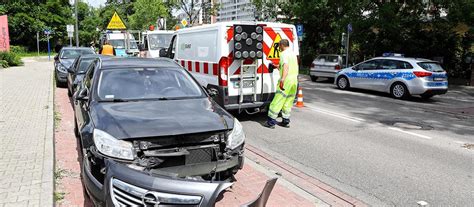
399 76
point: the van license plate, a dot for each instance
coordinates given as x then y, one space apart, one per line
438 79
248 83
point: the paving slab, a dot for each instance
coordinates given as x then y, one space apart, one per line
26 131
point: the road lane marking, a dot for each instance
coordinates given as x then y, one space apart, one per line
359 120
338 115
410 133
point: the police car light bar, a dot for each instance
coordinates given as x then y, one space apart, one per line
248 41
391 54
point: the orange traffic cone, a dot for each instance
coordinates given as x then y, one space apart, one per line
299 100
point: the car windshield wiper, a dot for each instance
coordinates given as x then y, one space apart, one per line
114 100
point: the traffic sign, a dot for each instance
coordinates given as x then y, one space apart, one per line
349 28
299 30
70 34
184 22
47 32
274 53
116 22
70 28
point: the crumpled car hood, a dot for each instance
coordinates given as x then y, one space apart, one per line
142 119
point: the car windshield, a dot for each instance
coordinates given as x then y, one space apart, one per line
74 53
157 41
133 44
83 65
431 66
147 83
120 44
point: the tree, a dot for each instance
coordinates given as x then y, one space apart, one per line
147 12
193 8
27 17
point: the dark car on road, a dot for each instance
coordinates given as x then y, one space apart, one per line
150 134
78 69
64 60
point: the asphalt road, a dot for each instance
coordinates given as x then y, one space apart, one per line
383 151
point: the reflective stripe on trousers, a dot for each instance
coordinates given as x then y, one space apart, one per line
283 101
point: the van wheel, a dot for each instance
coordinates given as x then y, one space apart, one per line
343 83
313 78
399 91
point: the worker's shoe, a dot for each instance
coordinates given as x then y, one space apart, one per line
285 123
270 123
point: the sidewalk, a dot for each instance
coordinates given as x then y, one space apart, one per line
26 132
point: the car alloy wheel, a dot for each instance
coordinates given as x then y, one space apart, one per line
342 83
399 90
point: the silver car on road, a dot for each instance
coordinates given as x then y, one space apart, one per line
399 76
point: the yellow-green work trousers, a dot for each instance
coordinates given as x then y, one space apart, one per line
283 100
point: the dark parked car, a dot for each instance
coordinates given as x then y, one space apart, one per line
64 60
150 134
78 69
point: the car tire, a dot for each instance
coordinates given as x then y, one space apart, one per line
313 78
426 97
343 83
58 84
399 91
76 129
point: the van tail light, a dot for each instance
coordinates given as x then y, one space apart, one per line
312 65
337 67
223 69
421 74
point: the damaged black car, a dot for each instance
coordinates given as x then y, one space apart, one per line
152 136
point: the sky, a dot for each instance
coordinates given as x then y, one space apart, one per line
96 3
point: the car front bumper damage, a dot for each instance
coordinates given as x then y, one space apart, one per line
111 182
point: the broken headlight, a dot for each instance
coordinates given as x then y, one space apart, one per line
236 137
110 146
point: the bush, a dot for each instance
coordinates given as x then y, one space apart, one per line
3 64
18 49
11 58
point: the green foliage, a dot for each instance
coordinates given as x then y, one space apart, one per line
11 59
146 13
3 64
26 18
416 29
18 49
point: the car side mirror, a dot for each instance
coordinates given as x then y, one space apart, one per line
82 95
56 58
70 70
163 52
212 92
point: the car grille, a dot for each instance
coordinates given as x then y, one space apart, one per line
124 194
200 155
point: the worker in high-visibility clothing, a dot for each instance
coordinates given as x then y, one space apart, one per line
107 49
287 87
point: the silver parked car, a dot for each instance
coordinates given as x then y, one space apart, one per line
325 66
399 76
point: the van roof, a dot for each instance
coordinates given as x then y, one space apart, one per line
230 23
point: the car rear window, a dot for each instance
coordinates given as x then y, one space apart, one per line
72 53
147 83
328 58
431 66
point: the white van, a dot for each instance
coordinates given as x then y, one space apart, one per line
123 42
156 40
210 53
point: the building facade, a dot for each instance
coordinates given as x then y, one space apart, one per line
236 10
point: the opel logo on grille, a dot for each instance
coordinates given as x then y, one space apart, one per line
150 199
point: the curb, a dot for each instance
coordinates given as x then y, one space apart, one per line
302 180
47 184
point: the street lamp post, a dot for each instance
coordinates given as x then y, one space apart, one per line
77 24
